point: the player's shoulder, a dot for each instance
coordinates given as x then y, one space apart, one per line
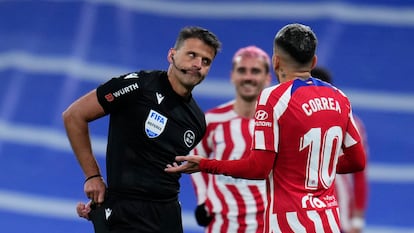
135 76
220 113
270 94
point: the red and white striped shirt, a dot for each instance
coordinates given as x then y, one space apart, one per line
307 123
236 204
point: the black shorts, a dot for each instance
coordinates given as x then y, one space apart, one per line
138 216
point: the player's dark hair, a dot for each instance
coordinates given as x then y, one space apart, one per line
205 35
322 74
298 41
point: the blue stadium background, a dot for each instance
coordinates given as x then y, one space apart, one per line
52 52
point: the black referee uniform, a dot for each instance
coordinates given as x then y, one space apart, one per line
149 125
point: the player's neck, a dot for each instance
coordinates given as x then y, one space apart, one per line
288 76
245 109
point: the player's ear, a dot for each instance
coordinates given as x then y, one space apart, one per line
314 61
275 61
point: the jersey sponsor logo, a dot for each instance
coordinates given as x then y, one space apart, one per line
125 90
109 97
319 104
155 124
263 123
189 138
261 115
314 202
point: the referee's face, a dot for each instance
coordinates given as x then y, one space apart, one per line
191 62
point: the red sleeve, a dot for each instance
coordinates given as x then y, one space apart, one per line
360 190
257 165
353 159
360 178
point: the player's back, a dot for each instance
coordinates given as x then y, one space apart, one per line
309 122
311 131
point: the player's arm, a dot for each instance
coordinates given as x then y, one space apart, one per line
76 118
256 166
360 195
353 159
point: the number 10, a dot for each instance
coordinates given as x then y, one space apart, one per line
320 164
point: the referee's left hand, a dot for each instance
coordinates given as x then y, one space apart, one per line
83 209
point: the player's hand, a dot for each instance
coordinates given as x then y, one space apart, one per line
95 190
189 165
355 230
201 215
83 209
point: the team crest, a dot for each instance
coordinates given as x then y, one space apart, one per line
155 124
189 138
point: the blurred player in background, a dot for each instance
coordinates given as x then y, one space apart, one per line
351 188
227 204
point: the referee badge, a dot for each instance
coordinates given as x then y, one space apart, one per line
155 124
189 138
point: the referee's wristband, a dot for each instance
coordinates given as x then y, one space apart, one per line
91 177
358 222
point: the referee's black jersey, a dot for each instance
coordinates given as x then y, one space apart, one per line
149 125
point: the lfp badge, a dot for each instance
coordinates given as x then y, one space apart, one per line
155 124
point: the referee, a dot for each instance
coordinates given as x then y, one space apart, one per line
153 118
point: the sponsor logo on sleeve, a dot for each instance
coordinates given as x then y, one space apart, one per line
155 124
124 90
260 119
109 97
189 138
261 115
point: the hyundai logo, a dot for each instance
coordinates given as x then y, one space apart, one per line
261 115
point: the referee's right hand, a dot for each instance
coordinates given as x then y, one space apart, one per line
95 190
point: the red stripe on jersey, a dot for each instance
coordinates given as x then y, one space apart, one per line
228 140
241 216
260 205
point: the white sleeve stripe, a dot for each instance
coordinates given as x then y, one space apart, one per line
294 224
276 136
349 140
259 140
264 96
282 103
278 110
